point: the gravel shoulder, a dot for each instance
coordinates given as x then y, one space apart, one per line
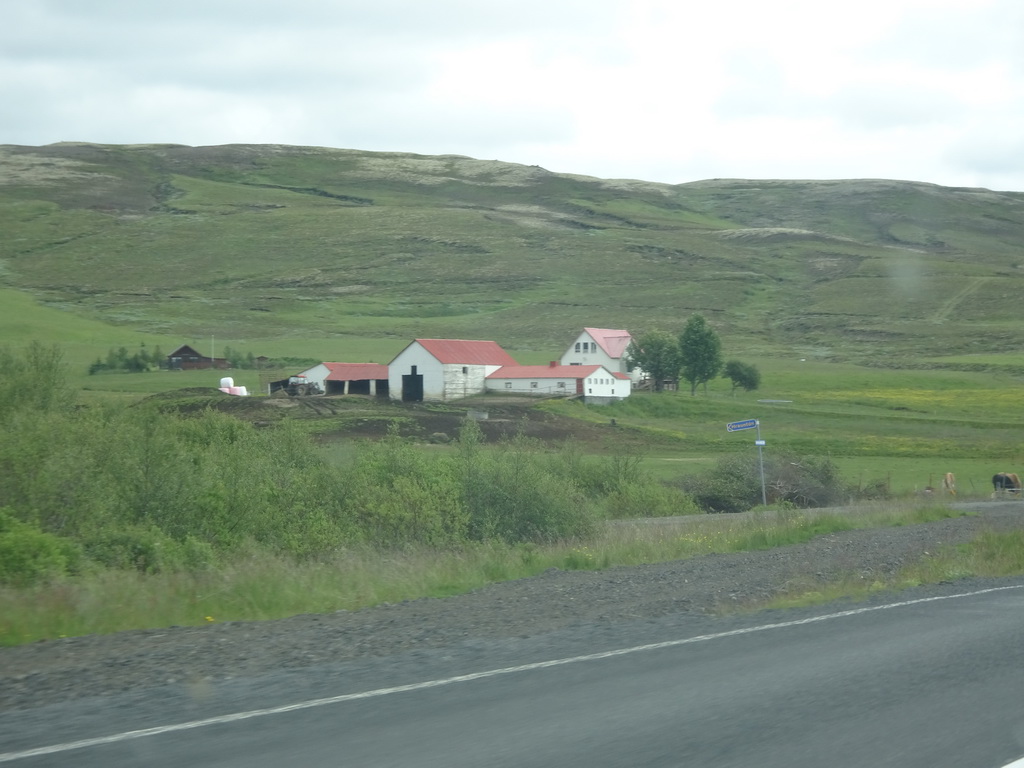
49 672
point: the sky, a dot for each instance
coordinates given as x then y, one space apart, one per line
661 90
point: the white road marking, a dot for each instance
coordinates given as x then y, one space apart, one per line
310 704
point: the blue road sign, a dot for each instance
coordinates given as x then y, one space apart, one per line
736 426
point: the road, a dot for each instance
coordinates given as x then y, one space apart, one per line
935 682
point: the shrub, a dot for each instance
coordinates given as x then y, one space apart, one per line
135 547
649 499
149 550
734 485
515 496
397 494
29 555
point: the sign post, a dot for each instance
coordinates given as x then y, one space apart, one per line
737 426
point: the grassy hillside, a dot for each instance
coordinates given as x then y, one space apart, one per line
350 254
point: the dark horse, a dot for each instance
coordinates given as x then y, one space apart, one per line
1005 482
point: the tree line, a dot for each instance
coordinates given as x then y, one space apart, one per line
144 359
694 355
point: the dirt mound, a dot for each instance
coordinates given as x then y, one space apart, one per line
346 417
497 421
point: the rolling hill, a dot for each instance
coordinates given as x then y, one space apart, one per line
265 242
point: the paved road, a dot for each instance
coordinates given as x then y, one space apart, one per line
929 683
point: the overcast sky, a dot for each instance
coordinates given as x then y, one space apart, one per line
662 90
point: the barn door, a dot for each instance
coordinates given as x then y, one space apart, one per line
412 387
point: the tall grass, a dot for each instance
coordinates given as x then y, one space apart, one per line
259 585
990 555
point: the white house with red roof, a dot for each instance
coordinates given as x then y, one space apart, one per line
601 346
594 382
348 378
444 369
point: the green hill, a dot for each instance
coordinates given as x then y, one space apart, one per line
276 243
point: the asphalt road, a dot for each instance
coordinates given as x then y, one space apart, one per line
933 683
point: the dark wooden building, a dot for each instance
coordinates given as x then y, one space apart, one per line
185 358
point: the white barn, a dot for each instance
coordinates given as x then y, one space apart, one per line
601 346
444 369
594 382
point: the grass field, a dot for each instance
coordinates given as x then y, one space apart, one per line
254 245
883 317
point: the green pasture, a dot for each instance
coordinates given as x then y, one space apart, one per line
901 429
256 244
905 428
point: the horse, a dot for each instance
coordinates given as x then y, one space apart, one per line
949 484
1005 482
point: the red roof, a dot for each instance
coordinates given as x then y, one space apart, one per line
356 371
460 352
613 342
544 372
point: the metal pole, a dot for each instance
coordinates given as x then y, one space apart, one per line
760 458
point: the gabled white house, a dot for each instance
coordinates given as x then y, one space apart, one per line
594 382
601 346
444 369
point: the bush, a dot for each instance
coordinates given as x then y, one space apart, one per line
734 485
137 548
513 494
29 555
396 494
148 550
648 499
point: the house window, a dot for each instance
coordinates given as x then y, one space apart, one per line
508 385
590 391
561 385
575 363
533 385
586 345
577 346
465 369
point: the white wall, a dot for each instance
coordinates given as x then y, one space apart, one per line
465 380
600 383
440 381
317 375
545 387
426 365
593 356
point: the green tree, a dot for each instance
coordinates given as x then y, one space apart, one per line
33 379
742 375
700 353
656 353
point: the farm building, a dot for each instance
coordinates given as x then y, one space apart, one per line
594 382
185 358
600 346
444 369
342 379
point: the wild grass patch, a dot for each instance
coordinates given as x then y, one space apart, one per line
260 585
